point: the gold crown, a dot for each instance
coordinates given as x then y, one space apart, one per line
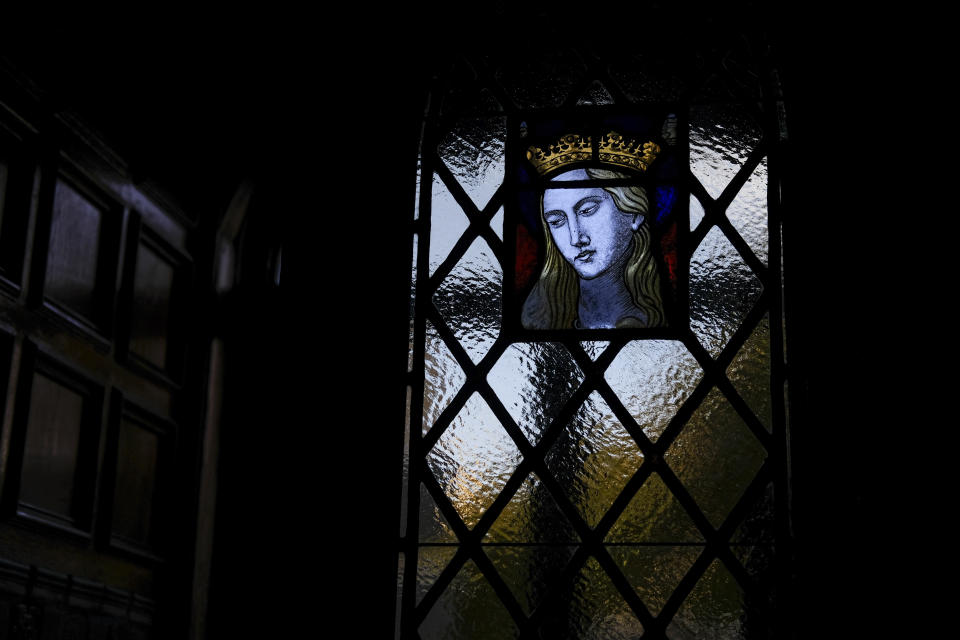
614 149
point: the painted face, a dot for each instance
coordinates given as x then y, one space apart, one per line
588 229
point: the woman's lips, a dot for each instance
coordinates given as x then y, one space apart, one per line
584 256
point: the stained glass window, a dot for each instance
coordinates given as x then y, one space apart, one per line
595 428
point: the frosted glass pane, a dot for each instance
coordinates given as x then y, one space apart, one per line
497 223
592 608
594 349
530 571
545 79
433 526
534 381
749 371
473 459
716 457
653 378
654 515
696 212
748 211
532 515
473 151
596 93
714 609
654 572
442 377
721 138
593 459
469 299
723 289
431 561
447 223
469 609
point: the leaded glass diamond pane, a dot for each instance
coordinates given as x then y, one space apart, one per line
696 212
653 378
721 138
722 291
593 458
532 515
433 526
468 609
716 456
497 223
469 299
714 609
534 382
442 377
447 223
749 371
654 515
654 572
592 608
530 571
594 348
638 80
473 459
596 93
473 151
431 561
748 212
544 79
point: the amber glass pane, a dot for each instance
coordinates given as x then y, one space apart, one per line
433 526
750 372
654 572
530 571
138 453
473 459
150 317
431 561
469 609
591 607
532 515
654 515
714 609
52 446
593 458
74 249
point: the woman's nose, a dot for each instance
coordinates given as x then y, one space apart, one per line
578 237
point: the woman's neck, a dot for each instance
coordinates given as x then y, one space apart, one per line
605 300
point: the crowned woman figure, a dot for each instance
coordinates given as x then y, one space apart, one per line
599 270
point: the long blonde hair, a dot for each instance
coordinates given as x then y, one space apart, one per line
552 304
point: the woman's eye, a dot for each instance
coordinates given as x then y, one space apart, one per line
589 210
556 222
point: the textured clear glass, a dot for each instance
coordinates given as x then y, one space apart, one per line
473 459
530 571
653 378
401 561
716 456
532 515
723 289
416 201
469 299
654 515
534 381
596 93
447 223
431 561
473 151
696 212
404 489
433 526
721 138
593 458
642 79
595 348
714 609
468 609
591 608
749 371
748 212
654 572
442 377
497 223
72 264
413 299
544 79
